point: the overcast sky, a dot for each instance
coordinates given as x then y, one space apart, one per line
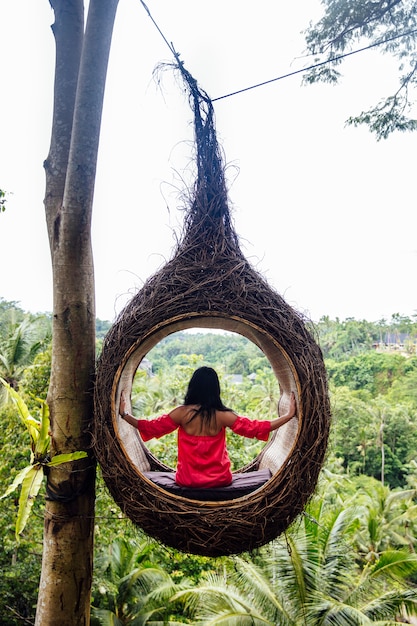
325 212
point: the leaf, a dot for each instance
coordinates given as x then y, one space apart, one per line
395 563
31 424
44 441
19 478
58 459
30 489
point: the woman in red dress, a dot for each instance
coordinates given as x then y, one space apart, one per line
201 421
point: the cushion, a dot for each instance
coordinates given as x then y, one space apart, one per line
242 484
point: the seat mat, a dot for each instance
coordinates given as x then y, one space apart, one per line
242 484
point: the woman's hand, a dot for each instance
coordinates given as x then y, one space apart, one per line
286 417
122 405
292 409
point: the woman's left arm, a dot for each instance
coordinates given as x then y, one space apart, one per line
283 419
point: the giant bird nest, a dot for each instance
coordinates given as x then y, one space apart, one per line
209 283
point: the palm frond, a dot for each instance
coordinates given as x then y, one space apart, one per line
393 567
395 564
211 601
333 613
150 579
391 604
299 565
166 589
106 617
236 619
251 579
337 569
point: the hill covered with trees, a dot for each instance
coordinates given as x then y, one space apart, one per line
367 487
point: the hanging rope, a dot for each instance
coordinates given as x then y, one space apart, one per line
210 195
319 64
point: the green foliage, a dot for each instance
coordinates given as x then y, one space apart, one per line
3 200
234 352
31 476
311 576
102 327
386 117
344 338
404 388
374 402
101 330
372 371
363 425
35 378
388 518
19 581
133 589
19 564
339 339
189 567
21 339
374 399
391 26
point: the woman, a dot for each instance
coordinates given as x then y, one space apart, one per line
201 421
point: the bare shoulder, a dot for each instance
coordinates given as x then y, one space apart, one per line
226 418
182 413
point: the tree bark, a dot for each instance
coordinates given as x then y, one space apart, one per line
68 31
80 75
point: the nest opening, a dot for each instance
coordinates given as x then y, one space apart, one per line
273 454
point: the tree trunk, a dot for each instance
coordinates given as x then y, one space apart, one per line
80 74
381 441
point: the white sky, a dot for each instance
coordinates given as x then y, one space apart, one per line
325 212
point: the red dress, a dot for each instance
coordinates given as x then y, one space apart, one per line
203 460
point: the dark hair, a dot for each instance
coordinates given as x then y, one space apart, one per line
204 390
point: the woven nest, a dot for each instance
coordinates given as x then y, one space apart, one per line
209 283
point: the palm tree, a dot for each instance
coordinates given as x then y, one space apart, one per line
19 344
312 577
389 517
133 591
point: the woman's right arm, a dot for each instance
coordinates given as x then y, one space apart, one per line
125 414
150 428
